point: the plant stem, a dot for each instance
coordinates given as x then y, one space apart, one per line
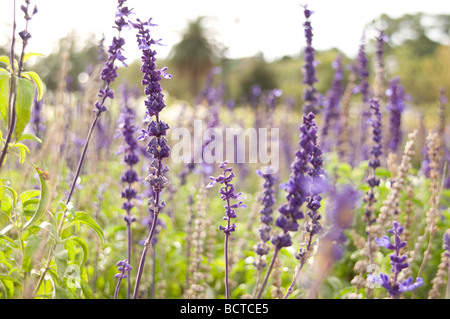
116 292
147 245
272 262
290 290
227 293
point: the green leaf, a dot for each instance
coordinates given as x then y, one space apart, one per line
4 96
61 293
61 259
23 150
37 80
25 95
29 136
84 247
29 55
13 193
87 292
5 59
33 244
84 218
9 287
8 277
44 200
26 195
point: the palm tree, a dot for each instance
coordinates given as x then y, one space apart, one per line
194 55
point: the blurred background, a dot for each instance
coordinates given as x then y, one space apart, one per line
254 42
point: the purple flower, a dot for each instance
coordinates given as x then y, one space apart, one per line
124 267
396 107
267 200
342 202
208 92
381 39
298 187
363 72
447 243
156 130
227 192
131 150
331 103
309 68
398 263
38 127
109 71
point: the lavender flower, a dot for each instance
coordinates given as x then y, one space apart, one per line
38 128
156 129
379 66
267 200
377 137
396 106
109 72
364 89
227 192
209 92
331 104
398 263
363 72
309 69
298 186
124 269
373 181
341 203
447 243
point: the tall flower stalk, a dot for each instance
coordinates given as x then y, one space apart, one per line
373 181
156 130
298 190
332 110
396 106
310 94
312 226
130 176
398 263
108 75
267 200
227 192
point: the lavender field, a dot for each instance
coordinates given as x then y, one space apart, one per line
321 176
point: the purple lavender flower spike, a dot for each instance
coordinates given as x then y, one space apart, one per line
227 192
398 263
124 269
377 137
381 40
109 72
38 128
208 92
447 243
267 200
299 184
310 94
156 130
396 107
341 203
331 103
363 72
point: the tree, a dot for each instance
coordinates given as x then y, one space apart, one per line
194 55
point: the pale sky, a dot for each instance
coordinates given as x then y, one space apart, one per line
244 26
